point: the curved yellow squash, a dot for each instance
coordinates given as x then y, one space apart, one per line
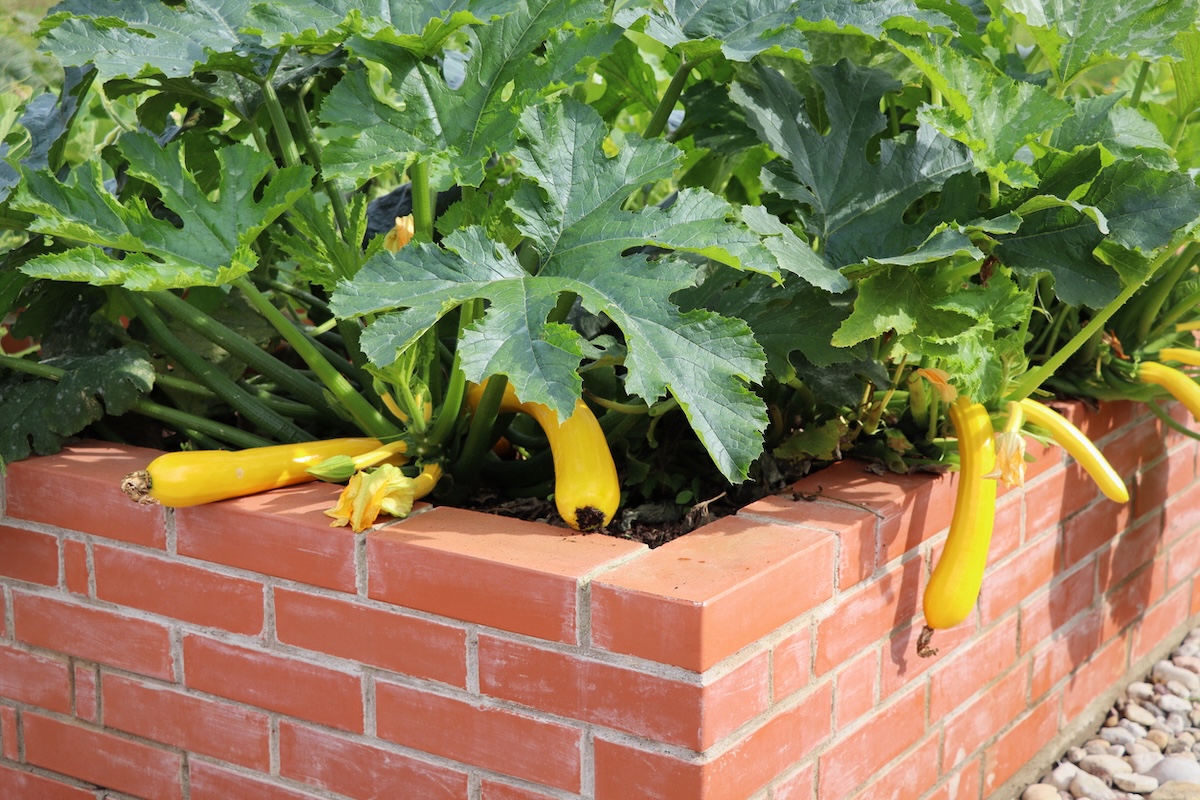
587 490
954 585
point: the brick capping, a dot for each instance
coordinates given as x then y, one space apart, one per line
248 650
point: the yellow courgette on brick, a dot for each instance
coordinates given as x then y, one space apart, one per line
1178 383
204 476
954 585
1079 447
586 488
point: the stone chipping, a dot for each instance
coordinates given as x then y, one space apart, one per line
1148 747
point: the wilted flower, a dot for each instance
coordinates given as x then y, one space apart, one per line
941 383
384 489
400 235
1010 458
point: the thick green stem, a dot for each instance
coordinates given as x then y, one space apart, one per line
666 104
422 201
1161 290
365 415
1143 72
243 349
466 469
221 384
147 408
1034 378
313 150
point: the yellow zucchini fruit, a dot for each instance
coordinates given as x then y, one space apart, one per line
954 585
1081 448
1184 355
1179 384
587 490
204 476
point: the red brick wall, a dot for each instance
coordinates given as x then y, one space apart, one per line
248 650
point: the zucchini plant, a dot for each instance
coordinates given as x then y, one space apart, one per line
740 240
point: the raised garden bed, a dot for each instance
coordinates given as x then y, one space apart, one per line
246 649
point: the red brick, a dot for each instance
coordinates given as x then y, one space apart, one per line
792 667
1183 560
1125 554
868 614
349 767
857 689
920 507
102 758
1056 496
1015 747
1057 657
1160 621
964 783
8 733
283 533
93 634
1181 513
1007 583
35 679
210 782
1092 530
86 697
854 527
1136 447
177 590
1007 527
490 790
908 778
1163 479
277 683
17 784
196 724
702 597
901 664
888 733
3 617
75 567
1102 671
395 642
676 712
97 505
504 573
624 771
1049 610
801 786
975 722
481 735
969 668
28 556
1126 604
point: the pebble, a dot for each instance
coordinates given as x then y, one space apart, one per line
1087 785
1176 768
1159 738
1174 704
1062 775
1132 782
1177 790
1040 791
1166 671
1105 767
1188 662
1140 690
1143 716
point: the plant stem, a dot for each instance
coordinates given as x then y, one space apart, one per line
1136 98
313 150
478 435
422 201
148 408
242 348
666 104
1161 290
222 385
365 415
1034 378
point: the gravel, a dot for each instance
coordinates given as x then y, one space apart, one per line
1149 745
